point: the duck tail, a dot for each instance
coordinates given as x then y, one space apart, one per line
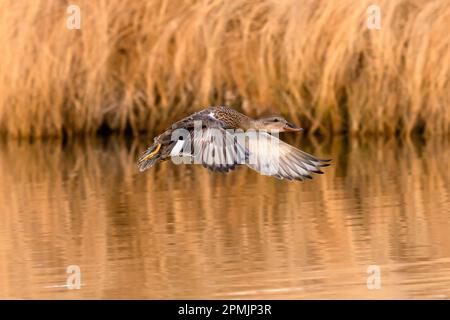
150 157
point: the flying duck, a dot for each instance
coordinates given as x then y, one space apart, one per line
221 138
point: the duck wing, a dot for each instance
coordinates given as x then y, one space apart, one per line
270 156
211 146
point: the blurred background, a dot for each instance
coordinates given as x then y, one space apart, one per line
77 107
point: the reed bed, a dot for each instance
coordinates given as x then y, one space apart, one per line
137 65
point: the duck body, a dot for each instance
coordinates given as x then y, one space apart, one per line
213 135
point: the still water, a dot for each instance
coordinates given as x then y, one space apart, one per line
183 232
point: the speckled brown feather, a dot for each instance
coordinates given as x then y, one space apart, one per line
231 117
228 118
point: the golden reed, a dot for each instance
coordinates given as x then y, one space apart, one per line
140 64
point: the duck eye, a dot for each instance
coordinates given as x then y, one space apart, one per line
276 120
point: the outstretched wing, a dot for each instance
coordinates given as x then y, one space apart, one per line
270 156
212 146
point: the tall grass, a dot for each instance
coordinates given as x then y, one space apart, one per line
142 64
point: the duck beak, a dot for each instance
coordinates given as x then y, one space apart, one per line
292 128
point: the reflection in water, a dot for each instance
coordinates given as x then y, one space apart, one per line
183 232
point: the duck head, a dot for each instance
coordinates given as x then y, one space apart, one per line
277 124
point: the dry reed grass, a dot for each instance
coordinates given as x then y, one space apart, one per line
142 64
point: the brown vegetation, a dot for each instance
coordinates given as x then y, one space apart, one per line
142 64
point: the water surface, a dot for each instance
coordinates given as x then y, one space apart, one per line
183 232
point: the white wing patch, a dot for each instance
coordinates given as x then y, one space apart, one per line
212 116
177 148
